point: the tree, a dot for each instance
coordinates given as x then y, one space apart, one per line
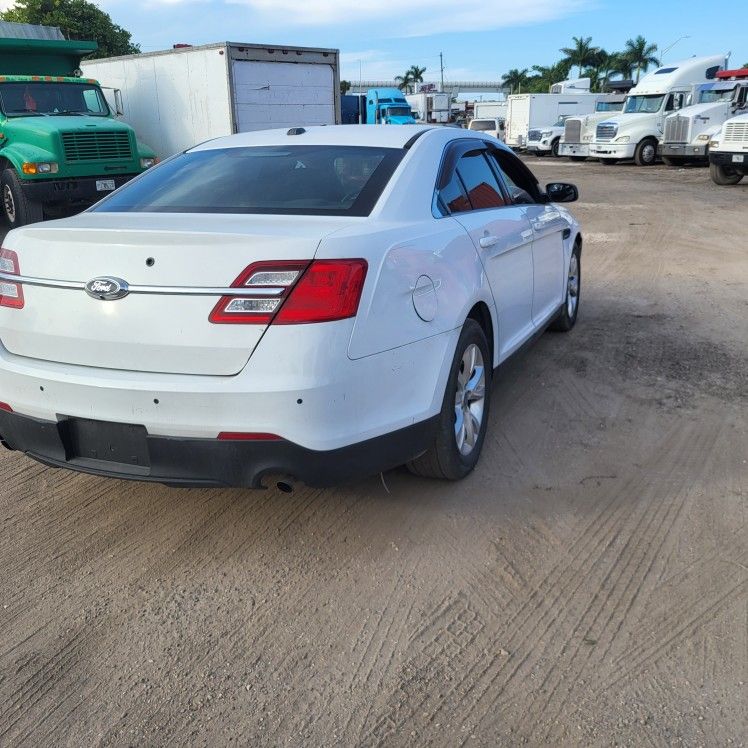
515 79
416 75
404 81
546 76
78 19
621 63
581 53
601 65
345 87
641 54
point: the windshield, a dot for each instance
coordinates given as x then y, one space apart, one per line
483 124
398 111
30 99
646 104
708 97
295 180
561 121
609 106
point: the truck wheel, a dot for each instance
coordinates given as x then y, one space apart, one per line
18 209
724 175
464 415
554 147
578 158
646 152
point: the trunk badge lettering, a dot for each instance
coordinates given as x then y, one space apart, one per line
107 289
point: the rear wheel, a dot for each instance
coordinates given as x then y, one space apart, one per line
567 317
724 175
464 415
18 209
646 152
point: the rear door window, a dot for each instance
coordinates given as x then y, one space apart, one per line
480 182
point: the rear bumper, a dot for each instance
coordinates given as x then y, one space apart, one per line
74 190
682 150
210 462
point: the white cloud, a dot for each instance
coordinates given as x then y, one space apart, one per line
422 17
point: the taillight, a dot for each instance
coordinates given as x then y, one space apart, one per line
290 293
11 294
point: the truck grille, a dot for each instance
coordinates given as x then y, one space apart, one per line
676 129
573 131
533 135
606 131
96 146
736 132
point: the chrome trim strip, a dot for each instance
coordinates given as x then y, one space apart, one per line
162 290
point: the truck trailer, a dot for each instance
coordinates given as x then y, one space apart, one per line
61 147
179 97
430 107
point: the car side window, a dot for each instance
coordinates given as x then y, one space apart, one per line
453 196
480 182
520 186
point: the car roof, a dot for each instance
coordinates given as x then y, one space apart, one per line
381 136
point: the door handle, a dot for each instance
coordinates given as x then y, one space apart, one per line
488 241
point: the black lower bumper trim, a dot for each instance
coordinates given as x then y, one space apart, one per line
721 158
75 190
207 462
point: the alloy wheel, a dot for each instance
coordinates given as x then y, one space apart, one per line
469 399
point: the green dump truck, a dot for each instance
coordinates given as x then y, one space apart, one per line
60 144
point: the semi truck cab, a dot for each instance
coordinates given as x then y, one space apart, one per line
387 106
60 144
728 151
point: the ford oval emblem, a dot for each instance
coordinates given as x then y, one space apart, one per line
107 289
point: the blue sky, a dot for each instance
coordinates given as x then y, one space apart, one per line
480 40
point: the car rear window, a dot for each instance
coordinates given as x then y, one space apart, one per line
292 180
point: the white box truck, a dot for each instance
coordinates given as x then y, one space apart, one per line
528 112
636 131
180 97
431 107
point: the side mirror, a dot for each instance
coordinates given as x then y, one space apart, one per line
119 107
561 192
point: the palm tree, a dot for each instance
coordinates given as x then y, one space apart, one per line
515 79
404 81
621 63
580 54
641 54
416 75
345 87
547 76
600 67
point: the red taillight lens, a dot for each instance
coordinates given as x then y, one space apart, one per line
328 291
11 294
292 293
271 280
6 407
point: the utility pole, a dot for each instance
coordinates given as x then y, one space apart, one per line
441 68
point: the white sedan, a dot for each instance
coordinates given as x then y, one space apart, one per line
309 304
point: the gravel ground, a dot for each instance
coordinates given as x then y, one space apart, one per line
588 584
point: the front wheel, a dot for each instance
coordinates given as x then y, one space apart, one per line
18 209
555 146
646 152
724 175
567 316
464 415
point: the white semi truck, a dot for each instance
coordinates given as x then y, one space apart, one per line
579 131
533 112
636 131
687 133
180 97
728 151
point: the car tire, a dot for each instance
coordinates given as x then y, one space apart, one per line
723 175
646 152
448 458
555 146
17 208
567 316
578 158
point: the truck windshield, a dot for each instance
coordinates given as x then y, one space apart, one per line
708 97
644 104
483 124
609 106
293 180
21 99
398 111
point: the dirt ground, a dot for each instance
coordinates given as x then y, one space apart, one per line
588 584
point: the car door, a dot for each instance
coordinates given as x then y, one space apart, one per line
470 192
548 229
